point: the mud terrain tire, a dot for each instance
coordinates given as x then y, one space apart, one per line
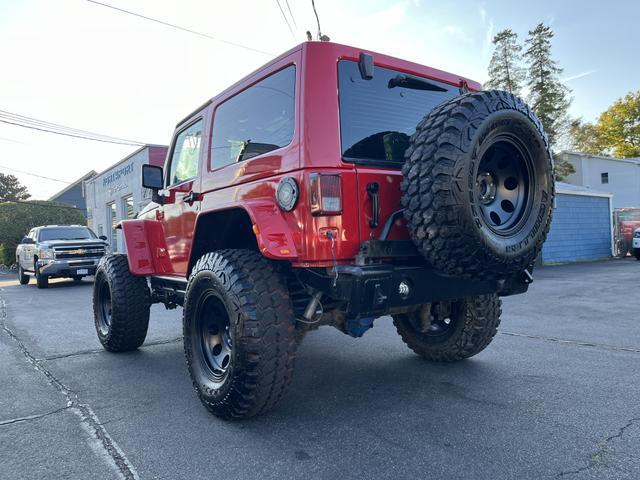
121 303
473 324
238 326
478 186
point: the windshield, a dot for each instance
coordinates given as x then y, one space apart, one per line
66 233
378 116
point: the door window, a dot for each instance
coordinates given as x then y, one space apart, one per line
186 153
256 121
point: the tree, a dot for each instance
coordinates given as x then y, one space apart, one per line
11 189
562 169
17 218
616 133
505 70
548 97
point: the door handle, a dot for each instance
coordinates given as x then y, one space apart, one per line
373 189
191 197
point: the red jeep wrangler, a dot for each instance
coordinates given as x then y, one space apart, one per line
332 186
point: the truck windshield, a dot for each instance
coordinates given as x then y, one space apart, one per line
378 116
65 233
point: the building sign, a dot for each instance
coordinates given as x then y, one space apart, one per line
117 174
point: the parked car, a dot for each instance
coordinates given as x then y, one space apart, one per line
636 243
59 251
331 187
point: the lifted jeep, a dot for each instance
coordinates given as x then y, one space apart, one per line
332 186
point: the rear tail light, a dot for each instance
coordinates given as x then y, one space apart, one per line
325 193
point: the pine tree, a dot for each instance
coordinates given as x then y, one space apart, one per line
548 97
505 70
11 189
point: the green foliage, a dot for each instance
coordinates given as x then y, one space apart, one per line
548 97
505 70
17 218
616 133
11 189
562 169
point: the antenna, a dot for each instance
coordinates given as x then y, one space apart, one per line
321 37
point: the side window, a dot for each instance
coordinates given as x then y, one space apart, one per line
256 121
186 153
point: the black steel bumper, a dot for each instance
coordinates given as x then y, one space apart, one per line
375 290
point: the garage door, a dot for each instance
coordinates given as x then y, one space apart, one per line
581 229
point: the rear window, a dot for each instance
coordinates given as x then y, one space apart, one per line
65 233
378 116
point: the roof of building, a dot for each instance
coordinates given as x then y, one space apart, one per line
634 160
570 189
86 176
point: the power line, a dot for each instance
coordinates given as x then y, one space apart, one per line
41 125
35 175
291 14
184 29
286 20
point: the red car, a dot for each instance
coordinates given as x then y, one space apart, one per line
332 186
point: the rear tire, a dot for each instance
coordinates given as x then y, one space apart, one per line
121 303
238 333
478 186
636 253
472 324
23 278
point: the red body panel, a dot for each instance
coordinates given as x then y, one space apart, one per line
296 236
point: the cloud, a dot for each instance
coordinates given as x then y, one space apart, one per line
483 14
577 76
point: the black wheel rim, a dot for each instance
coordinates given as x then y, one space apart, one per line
216 343
105 308
437 323
503 185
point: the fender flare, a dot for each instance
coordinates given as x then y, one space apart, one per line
146 247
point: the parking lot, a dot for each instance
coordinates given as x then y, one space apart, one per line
554 396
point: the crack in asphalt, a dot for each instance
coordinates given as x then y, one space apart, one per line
104 444
598 457
32 417
579 343
95 351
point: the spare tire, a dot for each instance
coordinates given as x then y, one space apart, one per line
478 186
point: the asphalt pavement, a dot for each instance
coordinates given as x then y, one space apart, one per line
554 396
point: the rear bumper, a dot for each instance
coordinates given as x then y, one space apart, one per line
376 290
68 268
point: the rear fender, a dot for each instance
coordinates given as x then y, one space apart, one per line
273 234
146 247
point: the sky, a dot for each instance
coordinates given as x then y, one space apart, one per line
86 66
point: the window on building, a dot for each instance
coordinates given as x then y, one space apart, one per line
186 153
256 121
127 206
604 177
113 220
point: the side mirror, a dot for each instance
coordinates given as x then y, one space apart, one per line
27 241
103 237
153 178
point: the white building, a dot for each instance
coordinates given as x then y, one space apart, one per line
619 176
117 194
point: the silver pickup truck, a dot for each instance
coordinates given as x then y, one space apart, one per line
59 251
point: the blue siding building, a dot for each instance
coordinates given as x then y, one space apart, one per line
581 228
74 194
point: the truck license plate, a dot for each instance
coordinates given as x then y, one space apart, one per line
82 271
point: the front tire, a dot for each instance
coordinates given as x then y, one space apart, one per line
636 253
23 278
238 333
453 331
121 304
42 281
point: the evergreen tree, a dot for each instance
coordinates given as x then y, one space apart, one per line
11 189
548 97
505 70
